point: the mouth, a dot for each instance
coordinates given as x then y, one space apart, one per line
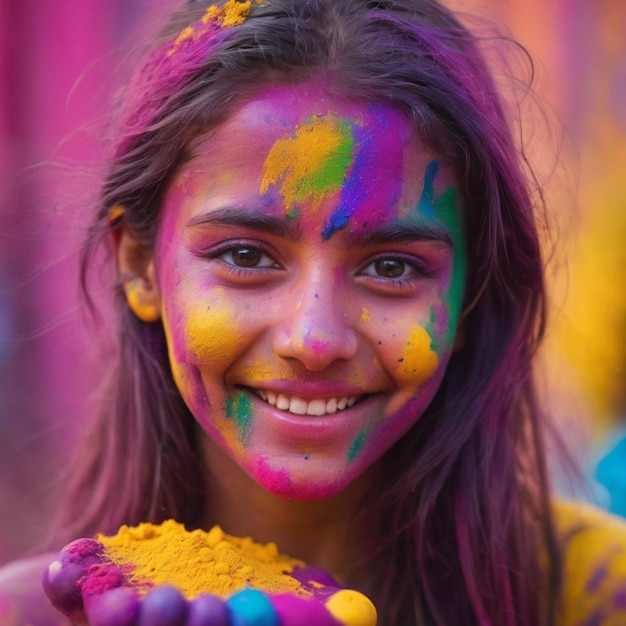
317 407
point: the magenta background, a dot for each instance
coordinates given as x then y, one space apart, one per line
57 59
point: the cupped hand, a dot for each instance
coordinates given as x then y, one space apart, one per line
92 591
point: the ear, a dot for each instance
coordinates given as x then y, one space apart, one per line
138 277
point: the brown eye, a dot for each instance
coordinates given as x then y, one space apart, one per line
389 268
246 257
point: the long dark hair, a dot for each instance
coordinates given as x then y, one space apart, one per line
463 506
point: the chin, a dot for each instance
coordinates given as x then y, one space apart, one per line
306 485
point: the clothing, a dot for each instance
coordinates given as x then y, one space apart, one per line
594 576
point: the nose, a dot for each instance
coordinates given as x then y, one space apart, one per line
315 326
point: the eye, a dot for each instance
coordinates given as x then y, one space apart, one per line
247 257
390 268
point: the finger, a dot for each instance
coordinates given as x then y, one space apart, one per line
208 610
251 607
61 578
115 607
163 606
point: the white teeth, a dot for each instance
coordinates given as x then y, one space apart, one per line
282 402
316 407
300 406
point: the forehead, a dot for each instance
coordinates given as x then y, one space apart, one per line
296 149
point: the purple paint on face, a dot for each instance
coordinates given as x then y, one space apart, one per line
358 199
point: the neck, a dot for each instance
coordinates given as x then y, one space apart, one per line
324 533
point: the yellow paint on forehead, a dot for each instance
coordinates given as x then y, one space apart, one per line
419 360
311 165
365 315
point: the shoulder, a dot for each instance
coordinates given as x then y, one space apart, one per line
22 600
594 565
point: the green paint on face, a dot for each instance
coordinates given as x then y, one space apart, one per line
239 409
356 446
312 164
444 209
450 215
432 331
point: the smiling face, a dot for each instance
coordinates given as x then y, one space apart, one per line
310 266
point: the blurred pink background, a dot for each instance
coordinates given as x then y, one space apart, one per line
57 63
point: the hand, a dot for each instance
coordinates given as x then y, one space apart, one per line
92 591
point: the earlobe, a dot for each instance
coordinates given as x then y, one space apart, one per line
137 274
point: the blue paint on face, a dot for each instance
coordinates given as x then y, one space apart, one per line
427 199
356 191
353 191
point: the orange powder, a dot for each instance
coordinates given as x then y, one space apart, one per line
199 562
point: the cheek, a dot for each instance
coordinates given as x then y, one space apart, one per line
418 361
201 333
414 356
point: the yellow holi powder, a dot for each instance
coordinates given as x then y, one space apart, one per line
199 562
419 361
115 213
140 303
233 12
311 165
365 315
210 334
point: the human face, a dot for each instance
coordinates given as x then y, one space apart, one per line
311 264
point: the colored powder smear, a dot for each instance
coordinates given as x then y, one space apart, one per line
419 361
209 334
356 446
233 13
239 409
444 208
310 165
358 193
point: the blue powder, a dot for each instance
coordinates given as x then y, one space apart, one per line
251 607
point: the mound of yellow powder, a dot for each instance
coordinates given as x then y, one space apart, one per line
200 562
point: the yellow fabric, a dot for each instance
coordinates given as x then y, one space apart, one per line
594 590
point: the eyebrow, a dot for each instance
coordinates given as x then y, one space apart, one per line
402 233
289 228
285 227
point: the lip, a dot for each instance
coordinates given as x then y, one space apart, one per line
315 428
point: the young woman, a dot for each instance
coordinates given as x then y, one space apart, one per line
330 293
